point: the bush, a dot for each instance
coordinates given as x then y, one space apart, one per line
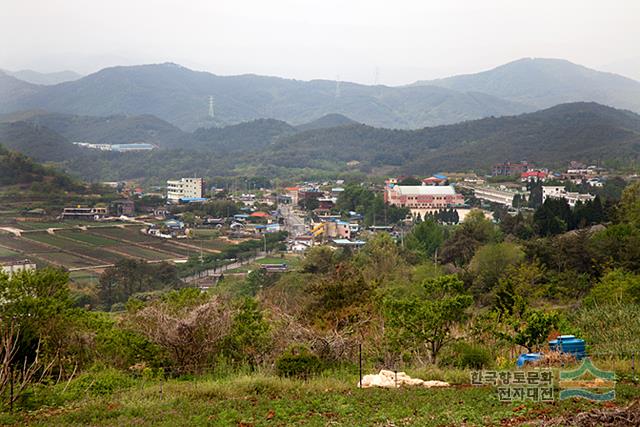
298 362
100 383
465 355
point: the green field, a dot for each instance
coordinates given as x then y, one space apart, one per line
4 252
149 255
35 225
22 245
131 234
89 238
56 241
218 245
67 260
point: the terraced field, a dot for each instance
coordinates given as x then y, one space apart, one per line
130 234
88 238
92 249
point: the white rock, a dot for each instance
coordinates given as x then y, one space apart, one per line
390 379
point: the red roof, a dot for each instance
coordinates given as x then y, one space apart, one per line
260 215
529 174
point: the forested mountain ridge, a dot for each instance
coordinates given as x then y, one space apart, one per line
118 129
38 142
578 131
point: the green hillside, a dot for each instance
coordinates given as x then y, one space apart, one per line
18 169
38 142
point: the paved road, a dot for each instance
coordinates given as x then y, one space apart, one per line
293 223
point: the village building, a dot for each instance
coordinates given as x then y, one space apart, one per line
185 189
559 192
85 213
501 195
17 266
435 180
509 169
423 196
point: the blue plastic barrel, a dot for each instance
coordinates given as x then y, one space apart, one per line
569 344
527 358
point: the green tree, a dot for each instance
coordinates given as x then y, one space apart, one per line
249 336
40 305
318 259
425 238
410 181
490 262
427 322
630 204
615 287
128 277
537 327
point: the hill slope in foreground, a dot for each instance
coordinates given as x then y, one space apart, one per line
260 400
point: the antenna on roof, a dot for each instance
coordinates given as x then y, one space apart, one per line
211 107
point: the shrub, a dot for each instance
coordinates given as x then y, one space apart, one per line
298 362
466 355
101 383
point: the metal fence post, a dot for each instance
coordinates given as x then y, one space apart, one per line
11 397
360 362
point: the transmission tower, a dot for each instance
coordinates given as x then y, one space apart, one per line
338 86
211 106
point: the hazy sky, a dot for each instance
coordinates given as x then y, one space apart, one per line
405 40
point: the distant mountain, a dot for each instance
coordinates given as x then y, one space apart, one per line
38 78
181 97
328 121
13 91
542 83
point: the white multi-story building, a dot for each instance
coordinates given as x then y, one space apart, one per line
185 188
502 196
559 192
